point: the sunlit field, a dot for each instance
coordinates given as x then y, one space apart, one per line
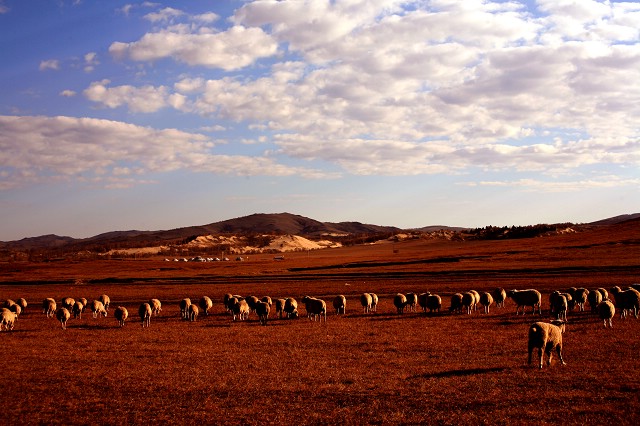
357 368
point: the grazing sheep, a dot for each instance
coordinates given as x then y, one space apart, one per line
422 301
546 337
16 309
8 303
366 300
145 311
263 309
63 315
205 304
434 303
603 292
499 296
184 308
627 301
97 308
226 301
456 303
468 301
49 307
486 300
580 298
22 302
412 302
524 298
594 298
156 306
252 301
7 319
560 306
68 303
84 303
399 301
476 297
193 312
121 314
316 308
374 302
279 307
106 301
239 309
77 309
340 304
606 311
291 307
267 299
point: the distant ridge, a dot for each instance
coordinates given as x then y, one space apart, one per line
616 219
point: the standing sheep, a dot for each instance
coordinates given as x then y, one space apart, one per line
627 301
603 292
263 309
374 302
205 304
156 306
49 307
606 311
7 319
524 298
84 303
279 307
546 337
412 302
422 301
456 303
77 309
239 309
580 296
365 301
476 300
121 314
63 315
252 301
106 301
468 301
68 303
267 300
16 309
97 308
226 301
23 303
594 298
193 312
434 303
8 303
184 308
340 304
316 308
291 307
499 296
486 300
399 301
145 311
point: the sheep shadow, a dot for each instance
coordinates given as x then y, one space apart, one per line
459 373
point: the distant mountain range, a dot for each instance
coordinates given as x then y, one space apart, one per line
260 223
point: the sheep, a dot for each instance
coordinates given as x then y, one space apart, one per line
468 301
263 309
77 309
547 337
626 300
16 309
560 306
184 308
22 302
412 302
252 301
8 303
499 296
7 319
399 301
205 304
145 311
84 303
365 301
606 312
456 303
524 298
594 298
580 297
340 304
106 301
121 314
434 302
315 308
486 300
63 315
239 309
156 306
422 301
193 312
603 292
291 307
68 303
267 300
225 301
279 307
476 297
97 307
374 302
49 307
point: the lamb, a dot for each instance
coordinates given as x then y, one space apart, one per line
63 315
434 302
121 314
77 309
486 300
456 303
468 301
315 308
499 296
279 307
97 308
627 300
184 308
547 337
374 302
263 309
106 301
365 301
291 307
594 298
340 304
205 304
524 298
239 309
399 301
606 312
193 312
412 302
7 319
49 307
156 306
145 311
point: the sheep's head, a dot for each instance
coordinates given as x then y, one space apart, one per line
560 324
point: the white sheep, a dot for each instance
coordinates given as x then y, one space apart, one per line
97 308
239 309
560 306
205 304
476 296
156 306
603 292
84 302
63 315
316 308
486 300
145 311
499 296
422 301
606 311
267 299
252 301
193 312
399 301
468 301
291 307
365 301
16 309
226 301
263 309
374 302
546 337
412 302
524 298
7 319
77 309
434 302
456 303
8 303
580 297
49 307
106 301
340 304
184 308
121 314
68 303
627 300
279 307
23 303
594 298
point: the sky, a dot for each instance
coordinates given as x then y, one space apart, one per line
119 115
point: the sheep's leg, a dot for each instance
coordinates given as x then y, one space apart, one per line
559 350
540 355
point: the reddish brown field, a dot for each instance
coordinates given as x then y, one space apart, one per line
381 368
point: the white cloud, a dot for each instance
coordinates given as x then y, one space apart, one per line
49 64
90 61
68 93
167 14
535 185
138 99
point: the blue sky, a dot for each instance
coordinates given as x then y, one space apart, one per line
156 115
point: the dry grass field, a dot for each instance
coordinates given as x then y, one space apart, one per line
380 368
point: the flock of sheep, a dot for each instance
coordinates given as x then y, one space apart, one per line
543 336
